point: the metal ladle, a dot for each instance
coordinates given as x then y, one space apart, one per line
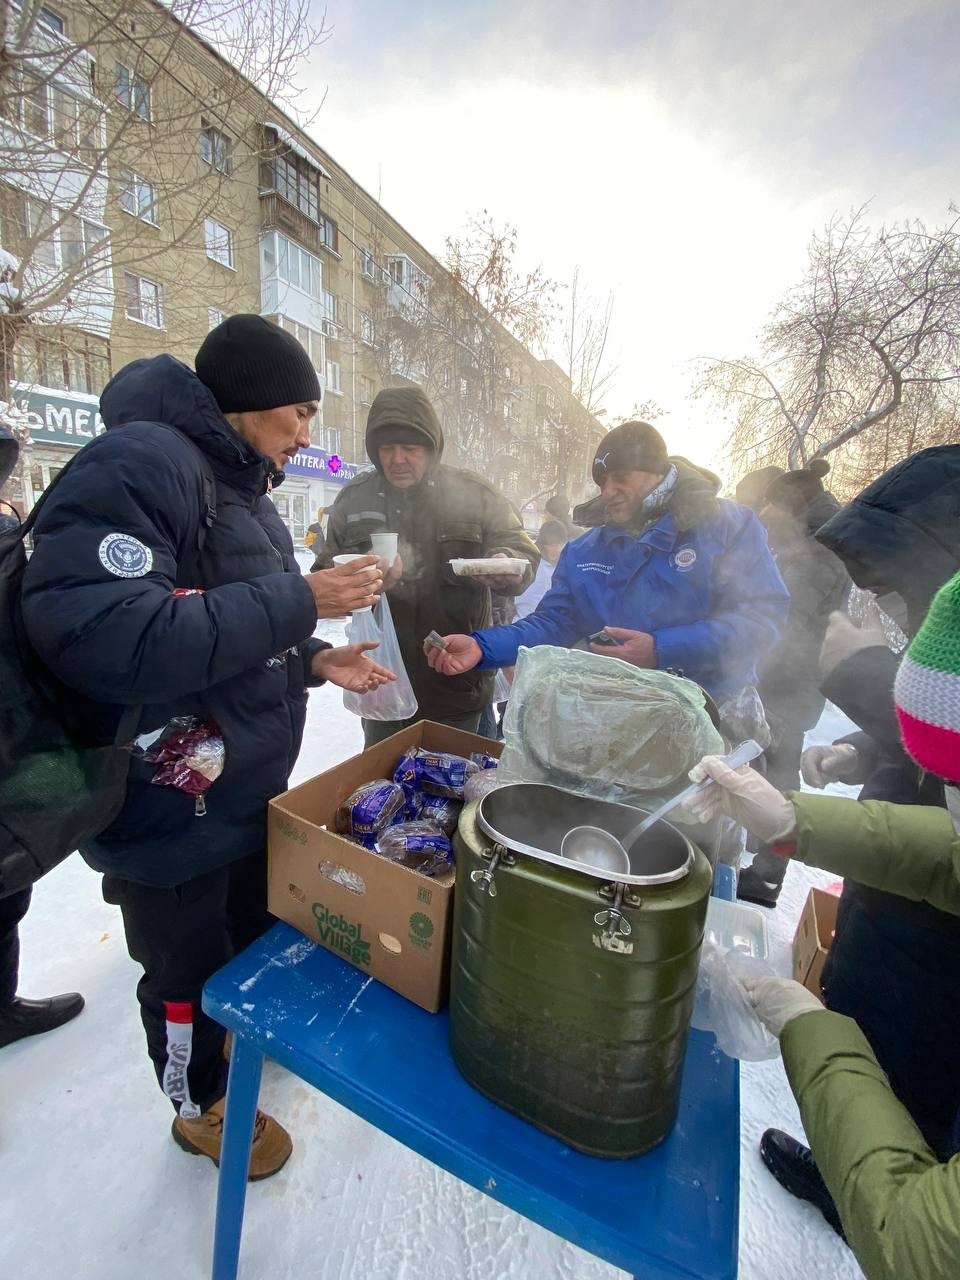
598 848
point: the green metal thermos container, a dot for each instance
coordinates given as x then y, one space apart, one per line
570 996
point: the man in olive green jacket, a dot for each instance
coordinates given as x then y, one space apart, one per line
440 514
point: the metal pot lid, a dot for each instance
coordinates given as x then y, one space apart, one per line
532 819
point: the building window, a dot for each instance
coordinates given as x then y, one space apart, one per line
137 196
367 332
292 264
333 377
216 149
329 235
310 339
368 265
331 313
58 240
296 182
215 317
143 300
396 270
52 21
133 92
366 389
327 438
72 361
464 388
47 111
219 242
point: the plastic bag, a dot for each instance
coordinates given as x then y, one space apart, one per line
721 1004
394 700
421 846
189 753
742 716
600 727
501 687
365 813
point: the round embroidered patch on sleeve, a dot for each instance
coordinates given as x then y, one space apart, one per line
125 556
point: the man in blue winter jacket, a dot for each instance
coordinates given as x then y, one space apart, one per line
163 585
673 578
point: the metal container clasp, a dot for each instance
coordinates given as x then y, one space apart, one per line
483 876
615 925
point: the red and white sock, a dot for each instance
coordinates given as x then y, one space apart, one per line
179 1051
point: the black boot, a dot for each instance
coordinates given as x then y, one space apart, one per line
791 1163
22 1018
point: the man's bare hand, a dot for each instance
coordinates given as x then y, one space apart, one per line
632 646
462 653
349 668
346 587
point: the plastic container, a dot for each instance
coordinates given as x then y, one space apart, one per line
385 546
571 995
734 925
489 567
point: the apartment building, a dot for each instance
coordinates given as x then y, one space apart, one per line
149 190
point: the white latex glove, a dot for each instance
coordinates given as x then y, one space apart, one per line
843 639
744 796
777 1001
824 764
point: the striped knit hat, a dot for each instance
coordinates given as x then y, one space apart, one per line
927 690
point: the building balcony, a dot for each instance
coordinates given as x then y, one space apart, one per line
278 214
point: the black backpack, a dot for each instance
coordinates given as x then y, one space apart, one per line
56 790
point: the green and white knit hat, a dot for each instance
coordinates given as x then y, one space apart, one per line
927 689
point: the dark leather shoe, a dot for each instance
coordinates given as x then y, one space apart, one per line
753 888
791 1163
22 1018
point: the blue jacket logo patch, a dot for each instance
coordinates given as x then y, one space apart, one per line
125 556
685 559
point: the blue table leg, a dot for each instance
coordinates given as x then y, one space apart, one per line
243 1089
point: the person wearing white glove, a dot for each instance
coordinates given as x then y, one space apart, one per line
744 796
832 762
777 1001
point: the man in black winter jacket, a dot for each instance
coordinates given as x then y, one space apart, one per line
128 610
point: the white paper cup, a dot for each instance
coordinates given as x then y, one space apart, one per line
348 559
385 546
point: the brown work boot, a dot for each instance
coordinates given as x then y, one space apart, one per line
204 1137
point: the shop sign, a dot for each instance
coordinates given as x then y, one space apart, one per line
318 464
53 417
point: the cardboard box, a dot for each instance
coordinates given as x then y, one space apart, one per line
386 919
811 942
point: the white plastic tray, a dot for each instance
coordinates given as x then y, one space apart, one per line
736 925
489 567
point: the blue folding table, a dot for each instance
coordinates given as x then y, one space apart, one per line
671 1213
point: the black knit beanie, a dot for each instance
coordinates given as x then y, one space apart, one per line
794 489
752 488
250 363
633 446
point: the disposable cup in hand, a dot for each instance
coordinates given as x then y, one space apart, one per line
385 546
348 559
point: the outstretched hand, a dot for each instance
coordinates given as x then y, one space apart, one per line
462 653
349 668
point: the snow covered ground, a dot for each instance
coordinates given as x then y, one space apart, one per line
94 1186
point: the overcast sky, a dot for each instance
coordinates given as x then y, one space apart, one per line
680 153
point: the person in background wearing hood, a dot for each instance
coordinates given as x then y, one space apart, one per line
792 506
557 509
127 610
893 962
440 514
877 1178
20 1017
675 577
